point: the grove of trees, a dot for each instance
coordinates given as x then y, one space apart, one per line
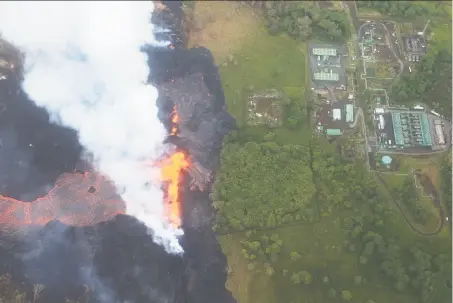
295 109
430 83
263 185
408 196
304 19
404 9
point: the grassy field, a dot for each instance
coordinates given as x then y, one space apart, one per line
259 61
264 62
396 181
323 251
224 27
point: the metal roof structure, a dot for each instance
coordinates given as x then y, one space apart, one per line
333 132
411 126
336 115
349 113
326 76
324 51
386 160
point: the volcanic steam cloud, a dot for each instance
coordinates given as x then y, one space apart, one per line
84 65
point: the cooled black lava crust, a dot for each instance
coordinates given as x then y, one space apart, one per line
120 252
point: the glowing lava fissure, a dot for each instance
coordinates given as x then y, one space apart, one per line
89 198
171 169
171 174
174 122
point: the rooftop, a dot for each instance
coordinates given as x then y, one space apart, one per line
349 113
411 128
326 76
324 51
336 114
386 160
333 132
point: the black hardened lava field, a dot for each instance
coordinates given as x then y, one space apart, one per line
117 259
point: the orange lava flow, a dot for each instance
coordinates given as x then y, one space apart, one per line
174 122
171 170
76 199
89 198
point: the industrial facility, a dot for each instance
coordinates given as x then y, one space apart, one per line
328 66
409 129
414 47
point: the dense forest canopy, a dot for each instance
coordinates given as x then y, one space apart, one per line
430 83
407 9
263 185
304 19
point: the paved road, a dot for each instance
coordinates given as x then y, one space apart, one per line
353 10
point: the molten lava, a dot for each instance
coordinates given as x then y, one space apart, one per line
77 199
174 122
171 170
86 199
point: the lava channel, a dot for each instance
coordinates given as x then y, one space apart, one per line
87 199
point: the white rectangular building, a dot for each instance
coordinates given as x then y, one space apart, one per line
440 134
381 121
336 114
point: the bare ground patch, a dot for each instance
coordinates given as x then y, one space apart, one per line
222 26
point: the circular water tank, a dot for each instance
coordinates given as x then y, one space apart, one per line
386 160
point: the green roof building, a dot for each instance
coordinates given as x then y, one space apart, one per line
349 113
333 132
402 127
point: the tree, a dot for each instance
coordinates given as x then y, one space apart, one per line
271 222
332 293
306 277
270 271
369 249
363 260
358 280
295 256
37 289
295 278
346 295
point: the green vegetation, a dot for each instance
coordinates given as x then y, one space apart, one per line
445 180
304 20
295 110
316 225
9 291
408 195
265 62
407 9
430 83
353 243
263 185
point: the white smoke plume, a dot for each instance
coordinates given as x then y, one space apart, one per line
83 64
